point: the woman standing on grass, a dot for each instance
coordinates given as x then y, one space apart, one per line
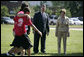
62 30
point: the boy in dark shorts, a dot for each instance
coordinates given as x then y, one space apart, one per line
27 27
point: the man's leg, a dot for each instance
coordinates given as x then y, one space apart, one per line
17 50
29 52
36 42
43 40
12 51
23 52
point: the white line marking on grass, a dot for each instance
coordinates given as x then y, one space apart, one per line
79 29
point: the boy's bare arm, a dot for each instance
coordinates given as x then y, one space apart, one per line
21 15
33 26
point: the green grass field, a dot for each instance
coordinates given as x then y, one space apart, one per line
74 42
74 26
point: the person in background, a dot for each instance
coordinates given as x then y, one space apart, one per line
40 20
62 30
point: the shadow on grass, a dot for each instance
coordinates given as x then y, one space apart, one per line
50 54
56 54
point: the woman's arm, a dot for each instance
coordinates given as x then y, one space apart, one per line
56 32
68 28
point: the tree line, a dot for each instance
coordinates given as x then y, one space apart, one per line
74 8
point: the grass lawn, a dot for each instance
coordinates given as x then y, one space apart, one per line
74 42
74 26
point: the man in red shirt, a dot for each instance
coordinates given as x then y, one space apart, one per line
21 40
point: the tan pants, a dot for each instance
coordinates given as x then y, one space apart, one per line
60 35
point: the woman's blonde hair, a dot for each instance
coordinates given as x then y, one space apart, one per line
63 10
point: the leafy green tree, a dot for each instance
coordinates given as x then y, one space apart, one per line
32 11
17 9
36 8
75 8
4 11
42 2
49 11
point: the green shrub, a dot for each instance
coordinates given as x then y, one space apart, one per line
4 11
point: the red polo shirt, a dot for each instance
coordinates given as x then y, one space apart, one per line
19 25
